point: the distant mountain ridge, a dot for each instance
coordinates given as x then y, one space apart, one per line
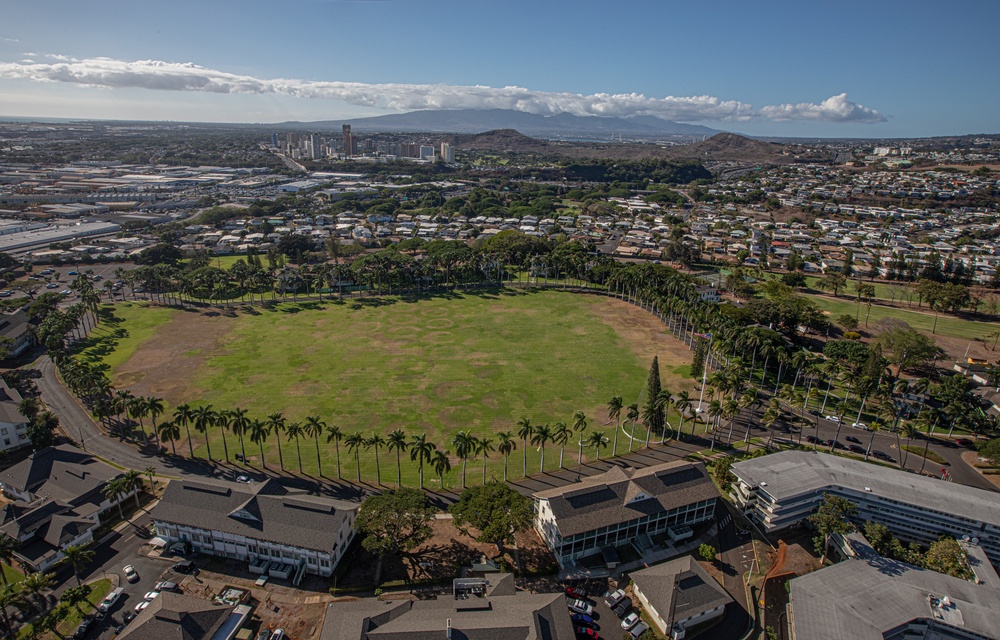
530 124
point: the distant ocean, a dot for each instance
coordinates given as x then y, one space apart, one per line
50 120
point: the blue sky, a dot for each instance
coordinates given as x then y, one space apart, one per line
805 68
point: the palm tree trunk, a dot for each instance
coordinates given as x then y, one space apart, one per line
298 451
319 463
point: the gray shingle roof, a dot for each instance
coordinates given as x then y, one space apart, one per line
62 472
620 495
9 401
513 617
680 586
173 616
265 511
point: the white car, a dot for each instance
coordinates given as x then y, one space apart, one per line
579 606
833 419
142 605
130 573
630 621
150 595
860 425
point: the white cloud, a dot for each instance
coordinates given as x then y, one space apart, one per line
3 39
834 109
173 76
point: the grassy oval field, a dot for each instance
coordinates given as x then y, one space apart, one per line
433 365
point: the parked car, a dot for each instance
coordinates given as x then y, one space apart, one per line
586 632
614 598
279 634
814 412
639 629
81 631
244 479
622 608
128 617
165 585
833 419
130 573
576 592
852 439
812 439
142 605
184 567
72 273
630 621
579 606
964 442
856 449
265 634
52 285
109 601
577 618
860 425
150 595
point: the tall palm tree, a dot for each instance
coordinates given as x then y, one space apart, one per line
138 410
632 415
239 423
484 446
132 481
77 557
397 441
223 421
597 440
663 401
292 432
506 446
421 450
579 425
171 432
154 408
313 427
560 436
542 435
113 490
183 415
441 464
615 413
204 419
354 442
465 444
524 431
276 424
335 435
258 435
35 584
682 402
150 472
375 442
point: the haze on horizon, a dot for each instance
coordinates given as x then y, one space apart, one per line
886 69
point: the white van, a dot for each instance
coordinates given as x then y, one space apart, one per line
109 601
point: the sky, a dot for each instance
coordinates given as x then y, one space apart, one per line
804 68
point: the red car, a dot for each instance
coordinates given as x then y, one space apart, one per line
584 632
964 442
580 594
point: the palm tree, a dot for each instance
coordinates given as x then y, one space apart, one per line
138 410
150 472
421 449
632 415
560 436
506 446
258 435
580 425
614 413
276 424
113 490
132 481
204 418
484 446
354 442
77 557
238 423
682 402
293 431
663 401
541 435
35 583
313 427
171 432
397 441
222 420
183 415
375 442
335 435
154 408
465 444
441 464
524 431
9 597
597 440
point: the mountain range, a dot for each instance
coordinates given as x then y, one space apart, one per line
563 125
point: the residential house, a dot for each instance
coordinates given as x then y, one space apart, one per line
173 616
14 327
679 594
12 423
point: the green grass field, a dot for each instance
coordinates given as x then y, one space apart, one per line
433 365
920 319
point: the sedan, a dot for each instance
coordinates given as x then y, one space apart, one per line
586 632
623 607
833 419
579 606
579 618
630 621
855 449
812 439
860 425
130 573
573 592
852 439
151 595
142 605
52 285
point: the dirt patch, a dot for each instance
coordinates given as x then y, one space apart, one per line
167 363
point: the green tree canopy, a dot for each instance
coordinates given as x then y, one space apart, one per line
496 510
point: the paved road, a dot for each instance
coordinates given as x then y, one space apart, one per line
736 558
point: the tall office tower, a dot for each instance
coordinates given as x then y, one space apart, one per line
426 152
348 141
447 152
314 144
274 140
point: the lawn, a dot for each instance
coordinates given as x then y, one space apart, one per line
434 365
73 615
922 320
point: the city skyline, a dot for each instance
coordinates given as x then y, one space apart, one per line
780 69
